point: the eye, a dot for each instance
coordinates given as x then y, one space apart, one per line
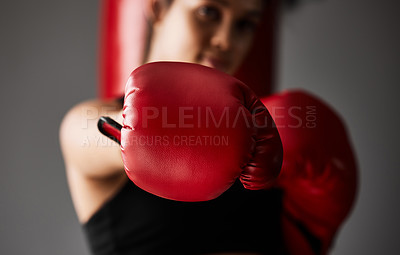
208 13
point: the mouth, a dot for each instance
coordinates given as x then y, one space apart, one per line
217 63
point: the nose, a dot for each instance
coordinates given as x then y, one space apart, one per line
222 37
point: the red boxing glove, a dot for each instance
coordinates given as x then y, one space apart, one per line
190 131
319 173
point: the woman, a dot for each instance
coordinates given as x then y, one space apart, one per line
118 217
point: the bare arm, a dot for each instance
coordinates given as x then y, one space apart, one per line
85 149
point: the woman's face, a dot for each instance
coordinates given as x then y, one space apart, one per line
214 33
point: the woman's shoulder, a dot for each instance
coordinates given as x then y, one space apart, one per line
91 108
83 147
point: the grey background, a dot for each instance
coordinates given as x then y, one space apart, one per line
346 51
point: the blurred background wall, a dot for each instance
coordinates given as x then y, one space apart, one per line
345 51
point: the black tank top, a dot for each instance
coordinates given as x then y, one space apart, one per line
135 222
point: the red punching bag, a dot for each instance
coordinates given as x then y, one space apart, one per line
123 38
